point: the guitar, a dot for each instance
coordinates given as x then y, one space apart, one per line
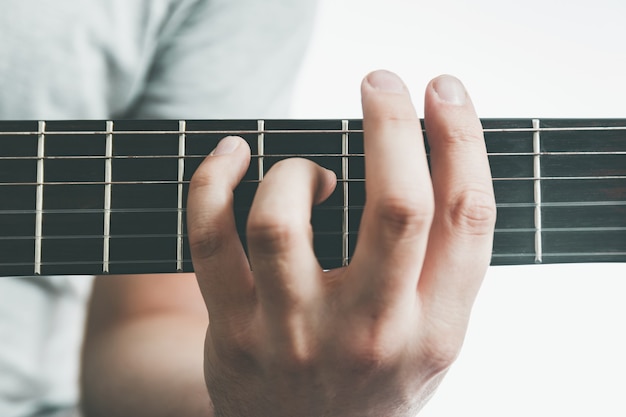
99 197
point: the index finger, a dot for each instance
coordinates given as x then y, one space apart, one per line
219 260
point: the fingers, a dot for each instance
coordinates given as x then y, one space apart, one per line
461 237
399 207
280 239
219 261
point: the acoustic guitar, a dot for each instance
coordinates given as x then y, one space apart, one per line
100 197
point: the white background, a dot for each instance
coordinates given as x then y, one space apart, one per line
543 340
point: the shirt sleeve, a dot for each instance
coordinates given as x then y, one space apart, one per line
227 59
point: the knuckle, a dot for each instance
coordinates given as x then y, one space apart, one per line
373 348
205 241
290 163
440 353
464 134
370 357
271 232
297 359
297 347
404 117
205 231
473 212
382 108
235 346
403 216
205 176
391 119
289 166
200 178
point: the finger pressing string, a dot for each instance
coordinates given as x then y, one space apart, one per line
280 237
218 256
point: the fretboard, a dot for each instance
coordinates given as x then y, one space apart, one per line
100 197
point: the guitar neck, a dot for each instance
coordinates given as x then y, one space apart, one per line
99 197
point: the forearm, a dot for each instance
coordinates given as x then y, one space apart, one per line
131 369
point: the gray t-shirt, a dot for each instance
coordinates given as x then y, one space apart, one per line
97 59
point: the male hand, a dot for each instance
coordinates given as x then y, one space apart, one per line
371 339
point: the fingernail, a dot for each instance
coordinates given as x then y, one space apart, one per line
226 146
450 90
386 81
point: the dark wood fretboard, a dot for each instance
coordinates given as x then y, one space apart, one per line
93 197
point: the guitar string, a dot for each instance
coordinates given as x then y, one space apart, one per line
616 209
325 207
289 131
615 176
588 257
14 209
289 155
527 230
139 235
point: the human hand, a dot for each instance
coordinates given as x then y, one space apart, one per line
374 338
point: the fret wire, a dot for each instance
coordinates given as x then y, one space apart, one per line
558 129
309 155
292 155
39 196
339 180
93 211
537 189
585 229
345 176
560 254
187 132
182 127
579 254
108 179
260 149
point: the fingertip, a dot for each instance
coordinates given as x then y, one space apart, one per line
228 145
326 185
449 90
449 108
227 164
383 80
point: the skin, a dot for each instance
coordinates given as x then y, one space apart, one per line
289 339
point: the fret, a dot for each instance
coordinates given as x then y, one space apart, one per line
115 199
515 239
148 233
180 227
17 202
41 137
537 189
199 144
570 226
279 145
108 179
261 149
356 170
86 192
345 250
